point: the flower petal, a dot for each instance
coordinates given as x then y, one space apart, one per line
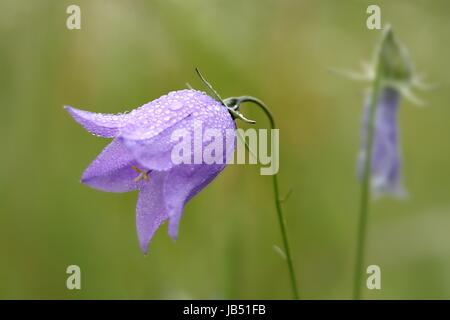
150 209
156 153
148 134
158 115
386 177
182 183
103 125
112 170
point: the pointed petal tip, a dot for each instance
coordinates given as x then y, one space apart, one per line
71 110
84 180
173 230
144 247
143 242
86 177
74 112
99 124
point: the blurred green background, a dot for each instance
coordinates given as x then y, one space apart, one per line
128 53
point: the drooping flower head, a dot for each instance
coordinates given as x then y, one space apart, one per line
140 155
386 161
396 77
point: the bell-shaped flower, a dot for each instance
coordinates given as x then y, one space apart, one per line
386 159
393 76
140 155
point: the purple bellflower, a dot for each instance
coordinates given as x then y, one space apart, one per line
139 156
396 76
386 161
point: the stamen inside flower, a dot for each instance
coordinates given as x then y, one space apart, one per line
143 175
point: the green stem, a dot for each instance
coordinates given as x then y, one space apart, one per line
365 189
236 102
280 215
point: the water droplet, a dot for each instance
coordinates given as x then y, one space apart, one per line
176 105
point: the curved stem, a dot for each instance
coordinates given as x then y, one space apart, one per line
280 215
233 106
365 188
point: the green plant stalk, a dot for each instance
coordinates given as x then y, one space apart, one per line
365 188
235 102
279 209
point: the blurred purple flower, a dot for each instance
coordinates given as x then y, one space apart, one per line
386 162
139 157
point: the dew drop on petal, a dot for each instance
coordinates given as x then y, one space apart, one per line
176 105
